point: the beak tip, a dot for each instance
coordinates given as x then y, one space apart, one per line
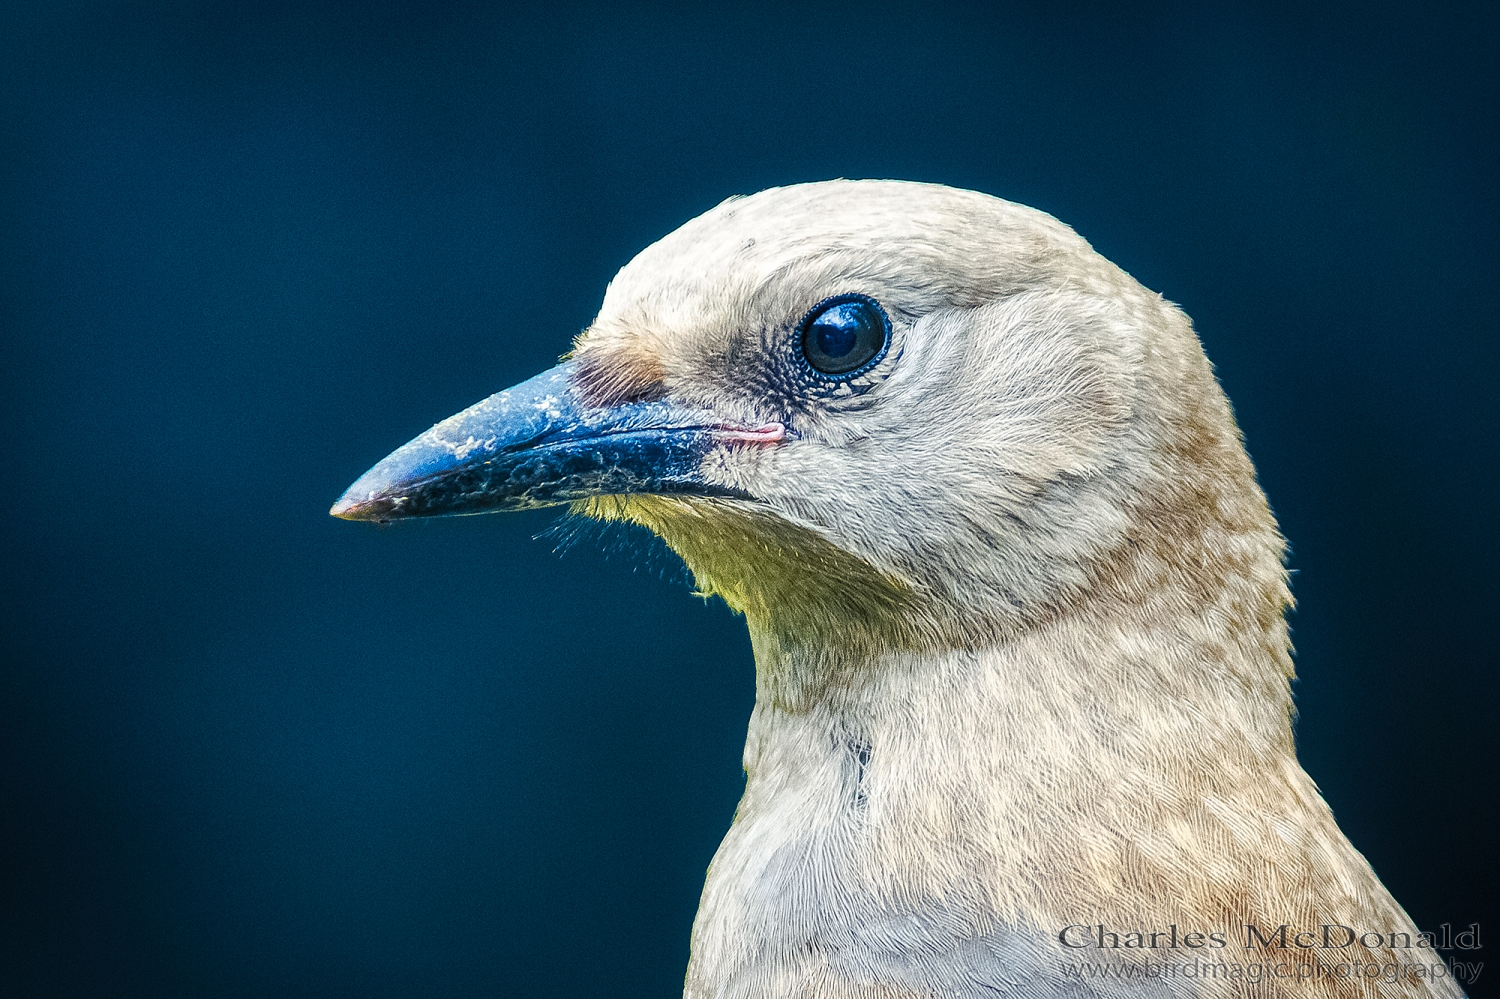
353 507
345 509
381 494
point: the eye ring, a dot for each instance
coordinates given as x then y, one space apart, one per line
844 336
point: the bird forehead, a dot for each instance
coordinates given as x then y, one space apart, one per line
893 233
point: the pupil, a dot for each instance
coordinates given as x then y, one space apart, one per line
840 337
836 341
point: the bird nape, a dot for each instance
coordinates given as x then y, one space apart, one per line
1023 717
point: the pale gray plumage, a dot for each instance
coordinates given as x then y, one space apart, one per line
1016 601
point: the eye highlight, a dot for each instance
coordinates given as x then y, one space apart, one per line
842 336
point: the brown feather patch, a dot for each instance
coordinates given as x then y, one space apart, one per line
610 374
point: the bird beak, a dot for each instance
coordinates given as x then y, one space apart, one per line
538 444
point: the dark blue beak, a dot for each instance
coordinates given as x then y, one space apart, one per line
537 444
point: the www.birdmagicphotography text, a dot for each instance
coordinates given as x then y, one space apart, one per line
1232 973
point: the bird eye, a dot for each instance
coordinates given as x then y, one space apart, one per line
845 334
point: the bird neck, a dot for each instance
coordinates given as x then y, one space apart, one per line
1072 773
1125 691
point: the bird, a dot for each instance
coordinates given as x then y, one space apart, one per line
1023 721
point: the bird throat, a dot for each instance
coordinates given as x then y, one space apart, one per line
781 576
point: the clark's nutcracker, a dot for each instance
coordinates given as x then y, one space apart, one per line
1023 719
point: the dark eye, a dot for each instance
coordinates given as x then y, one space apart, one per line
845 334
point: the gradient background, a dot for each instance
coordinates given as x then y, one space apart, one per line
247 249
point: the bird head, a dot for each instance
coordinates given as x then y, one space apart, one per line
876 412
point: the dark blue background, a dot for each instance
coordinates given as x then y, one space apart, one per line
248 248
